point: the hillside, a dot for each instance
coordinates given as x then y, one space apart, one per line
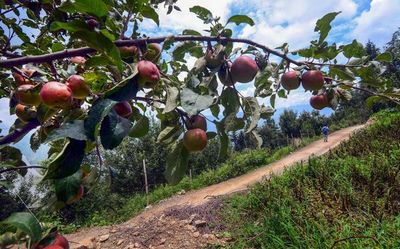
349 198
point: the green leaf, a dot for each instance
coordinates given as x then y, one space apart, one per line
57 46
177 162
272 100
211 135
215 110
354 49
74 129
223 145
93 7
323 25
194 103
344 74
123 91
68 161
140 128
385 57
372 100
239 19
97 112
113 130
252 109
202 13
233 123
186 47
191 32
27 223
150 13
256 138
229 100
73 26
172 99
266 112
66 188
12 157
167 133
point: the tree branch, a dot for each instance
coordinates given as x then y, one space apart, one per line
120 43
15 135
20 167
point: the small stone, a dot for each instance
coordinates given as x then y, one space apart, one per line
200 223
82 247
162 241
120 242
196 234
136 234
182 192
191 218
114 231
191 228
130 246
136 245
104 237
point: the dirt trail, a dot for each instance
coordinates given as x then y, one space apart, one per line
156 215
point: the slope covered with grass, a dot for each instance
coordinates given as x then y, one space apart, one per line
349 198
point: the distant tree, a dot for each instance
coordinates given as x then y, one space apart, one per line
271 134
393 67
288 124
372 50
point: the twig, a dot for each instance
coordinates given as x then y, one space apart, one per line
20 167
13 136
12 9
120 43
354 237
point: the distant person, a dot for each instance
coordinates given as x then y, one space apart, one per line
325 132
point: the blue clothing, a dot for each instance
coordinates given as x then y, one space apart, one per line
325 130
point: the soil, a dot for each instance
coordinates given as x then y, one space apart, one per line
191 220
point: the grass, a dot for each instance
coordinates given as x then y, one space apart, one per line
349 198
238 164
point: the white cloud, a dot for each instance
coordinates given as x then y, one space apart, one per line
379 22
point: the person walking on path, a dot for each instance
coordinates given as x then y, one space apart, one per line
325 132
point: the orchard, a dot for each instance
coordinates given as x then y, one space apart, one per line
83 83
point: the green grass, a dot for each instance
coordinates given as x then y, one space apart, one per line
349 198
238 164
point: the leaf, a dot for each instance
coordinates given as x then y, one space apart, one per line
202 13
12 157
123 91
194 103
256 138
233 123
354 49
74 129
252 108
167 133
323 25
372 100
266 112
191 32
199 65
186 47
27 223
344 74
172 99
140 128
385 57
177 162
97 112
215 110
223 145
73 26
229 100
67 188
272 100
150 13
68 160
239 19
113 130
211 135
94 7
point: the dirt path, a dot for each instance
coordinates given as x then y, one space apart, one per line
155 219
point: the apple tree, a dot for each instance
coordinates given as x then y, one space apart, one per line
82 74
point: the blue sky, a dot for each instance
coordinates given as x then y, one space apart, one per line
277 21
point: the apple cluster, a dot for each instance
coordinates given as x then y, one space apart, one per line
312 80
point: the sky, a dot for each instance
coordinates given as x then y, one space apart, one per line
277 21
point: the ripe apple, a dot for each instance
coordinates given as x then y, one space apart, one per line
128 51
214 59
123 109
153 52
27 95
244 69
76 197
56 95
61 241
225 75
54 247
313 80
78 86
149 75
196 122
92 23
290 80
78 60
195 140
25 113
319 101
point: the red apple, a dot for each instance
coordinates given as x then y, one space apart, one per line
61 241
25 113
319 101
28 95
244 69
290 80
149 75
196 122
56 95
195 140
53 247
92 23
153 52
78 86
123 109
225 76
313 80
76 197
78 60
